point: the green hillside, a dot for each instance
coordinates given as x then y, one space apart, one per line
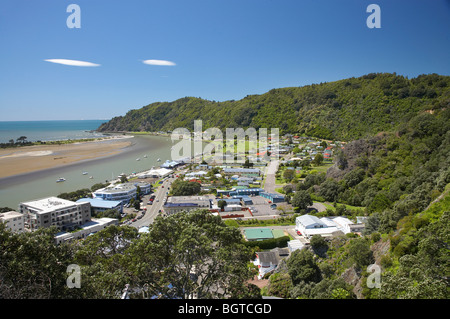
347 109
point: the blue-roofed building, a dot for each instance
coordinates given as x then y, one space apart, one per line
100 205
231 201
274 198
245 199
243 191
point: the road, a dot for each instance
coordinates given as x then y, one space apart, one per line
269 184
158 202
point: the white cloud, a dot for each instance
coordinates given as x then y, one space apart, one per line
159 62
72 62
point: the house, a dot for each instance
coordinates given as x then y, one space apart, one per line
269 260
195 174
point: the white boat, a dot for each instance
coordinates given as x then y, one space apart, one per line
91 177
138 159
85 173
159 160
145 156
61 179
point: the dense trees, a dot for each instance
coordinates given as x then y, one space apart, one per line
183 255
343 110
185 188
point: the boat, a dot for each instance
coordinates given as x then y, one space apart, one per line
91 177
61 179
159 160
138 159
85 173
145 156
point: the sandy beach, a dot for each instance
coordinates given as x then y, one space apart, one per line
28 159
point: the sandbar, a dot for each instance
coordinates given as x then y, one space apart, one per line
14 161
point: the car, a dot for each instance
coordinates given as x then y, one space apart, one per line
299 233
134 219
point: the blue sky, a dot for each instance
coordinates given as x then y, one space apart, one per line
223 49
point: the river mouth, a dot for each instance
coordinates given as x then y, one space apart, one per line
42 183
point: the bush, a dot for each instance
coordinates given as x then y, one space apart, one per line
269 243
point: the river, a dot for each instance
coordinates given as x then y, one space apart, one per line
41 184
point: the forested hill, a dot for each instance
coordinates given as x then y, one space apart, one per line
345 110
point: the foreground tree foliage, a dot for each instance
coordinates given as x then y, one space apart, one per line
32 266
192 254
183 255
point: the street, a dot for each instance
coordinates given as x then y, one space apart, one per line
158 202
269 185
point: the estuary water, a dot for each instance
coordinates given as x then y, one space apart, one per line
40 184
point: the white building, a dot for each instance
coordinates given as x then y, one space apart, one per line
155 173
13 221
311 225
122 192
326 226
87 229
54 211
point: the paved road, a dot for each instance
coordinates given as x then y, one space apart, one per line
152 210
269 185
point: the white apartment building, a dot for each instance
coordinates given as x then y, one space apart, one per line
54 211
14 221
122 192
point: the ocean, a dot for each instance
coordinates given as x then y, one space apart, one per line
40 184
49 130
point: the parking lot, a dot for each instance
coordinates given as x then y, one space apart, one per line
262 207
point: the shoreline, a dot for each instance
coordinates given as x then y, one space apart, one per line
25 160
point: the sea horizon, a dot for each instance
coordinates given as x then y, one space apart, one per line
49 130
